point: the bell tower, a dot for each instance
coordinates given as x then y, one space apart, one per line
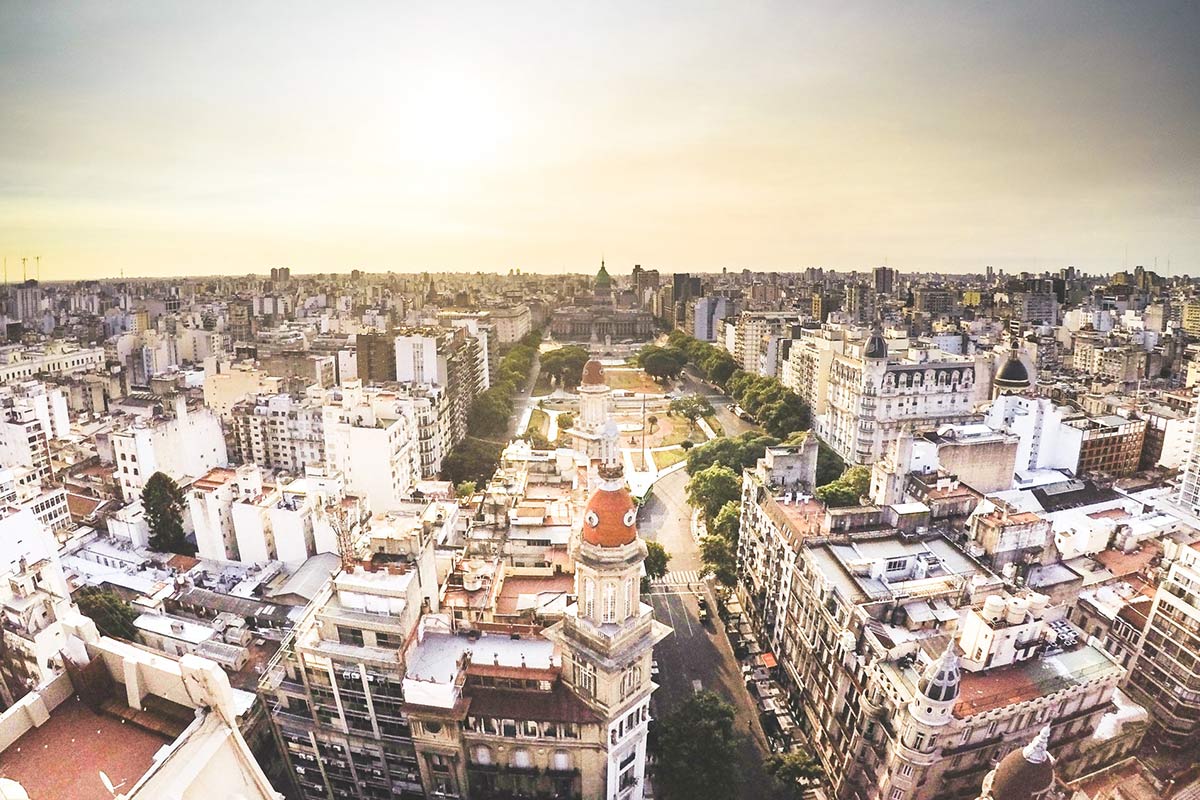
607 636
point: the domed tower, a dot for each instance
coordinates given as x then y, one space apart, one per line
923 722
595 400
602 287
608 634
937 690
875 347
1023 774
1013 377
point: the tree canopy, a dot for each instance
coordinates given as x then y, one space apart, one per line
662 363
712 488
162 502
656 560
696 751
565 364
112 613
795 772
736 452
471 460
848 490
691 407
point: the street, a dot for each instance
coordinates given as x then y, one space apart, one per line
698 655
732 424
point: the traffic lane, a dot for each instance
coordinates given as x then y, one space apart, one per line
699 657
666 518
733 424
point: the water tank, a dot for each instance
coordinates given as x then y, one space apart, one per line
993 608
1037 604
1017 608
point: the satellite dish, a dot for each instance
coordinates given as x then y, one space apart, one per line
108 784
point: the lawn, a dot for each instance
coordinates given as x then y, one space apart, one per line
632 380
542 385
665 458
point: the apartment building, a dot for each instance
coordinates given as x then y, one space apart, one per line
870 394
175 440
336 690
909 668
755 338
445 358
279 432
1110 445
1165 677
372 440
58 358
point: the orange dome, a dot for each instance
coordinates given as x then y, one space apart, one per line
610 519
593 373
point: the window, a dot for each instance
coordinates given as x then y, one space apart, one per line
585 678
631 591
482 754
610 602
631 680
522 758
906 770
589 597
897 794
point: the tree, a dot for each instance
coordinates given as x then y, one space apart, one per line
566 421
112 614
735 452
728 522
465 489
847 490
795 771
656 560
712 488
471 460
491 411
565 364
691 407
696 751
652 421
720 558
163 503
661 363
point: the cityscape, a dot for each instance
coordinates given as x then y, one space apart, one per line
375 425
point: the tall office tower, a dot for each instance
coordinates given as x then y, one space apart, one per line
885 280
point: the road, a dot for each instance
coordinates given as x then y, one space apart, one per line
732 424
698 655
524 399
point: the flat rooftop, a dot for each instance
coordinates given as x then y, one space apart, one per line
436 657
980 692
532 593
64 757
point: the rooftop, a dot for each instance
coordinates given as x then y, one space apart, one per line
65 756
994 688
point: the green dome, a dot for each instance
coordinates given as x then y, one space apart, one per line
603 279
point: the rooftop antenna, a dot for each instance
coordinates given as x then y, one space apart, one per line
24 271
38 261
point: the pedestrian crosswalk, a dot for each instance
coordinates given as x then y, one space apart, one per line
680 578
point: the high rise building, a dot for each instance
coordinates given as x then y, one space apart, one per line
1164 676
885 280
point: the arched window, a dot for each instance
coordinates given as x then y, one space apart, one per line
589 597
610 602
560 761
522 758
482 754
631 590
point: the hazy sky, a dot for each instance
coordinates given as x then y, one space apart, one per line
173 138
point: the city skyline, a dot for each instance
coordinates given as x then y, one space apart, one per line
164 142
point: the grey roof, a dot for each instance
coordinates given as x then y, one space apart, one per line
313 574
